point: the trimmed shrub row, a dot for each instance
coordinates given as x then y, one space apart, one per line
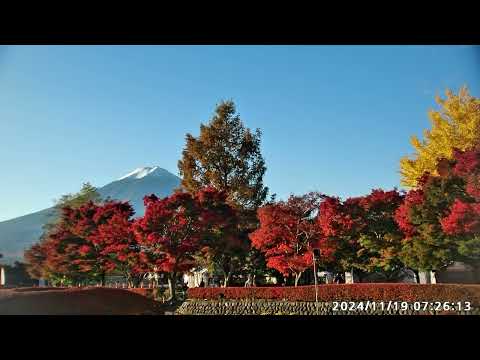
142 291
347 292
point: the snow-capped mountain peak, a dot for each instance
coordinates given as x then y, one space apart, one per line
142 172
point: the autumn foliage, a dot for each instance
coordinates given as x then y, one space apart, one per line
226 155
362 231
347 292
440 219
456 125
88 241
288 233
176 228
170 231
93 240
211 222
222 246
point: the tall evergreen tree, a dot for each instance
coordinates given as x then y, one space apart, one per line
87 193
226 155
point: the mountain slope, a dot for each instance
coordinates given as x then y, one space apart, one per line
143 181
20 233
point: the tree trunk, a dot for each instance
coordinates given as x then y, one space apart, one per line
172 282
423 277
297 277
102 279
247 283
226 279
417 277
136 280
250 280
349 277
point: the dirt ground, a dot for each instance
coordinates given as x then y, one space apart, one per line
76 301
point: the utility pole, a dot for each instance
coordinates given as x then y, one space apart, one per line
316 256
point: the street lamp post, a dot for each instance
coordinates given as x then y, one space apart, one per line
316 256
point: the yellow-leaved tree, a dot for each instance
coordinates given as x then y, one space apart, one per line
455 125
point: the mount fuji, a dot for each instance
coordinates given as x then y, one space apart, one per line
20 233
138 183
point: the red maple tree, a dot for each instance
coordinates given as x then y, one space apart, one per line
52 258
87 243
92 255
362 232
222 247
170 233
117 242
288 233
340 223
56 257
463 220
402 215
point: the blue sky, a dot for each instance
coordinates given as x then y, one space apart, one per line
335 119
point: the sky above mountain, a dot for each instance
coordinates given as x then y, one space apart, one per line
334 118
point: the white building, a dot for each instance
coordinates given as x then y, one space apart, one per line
194 277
